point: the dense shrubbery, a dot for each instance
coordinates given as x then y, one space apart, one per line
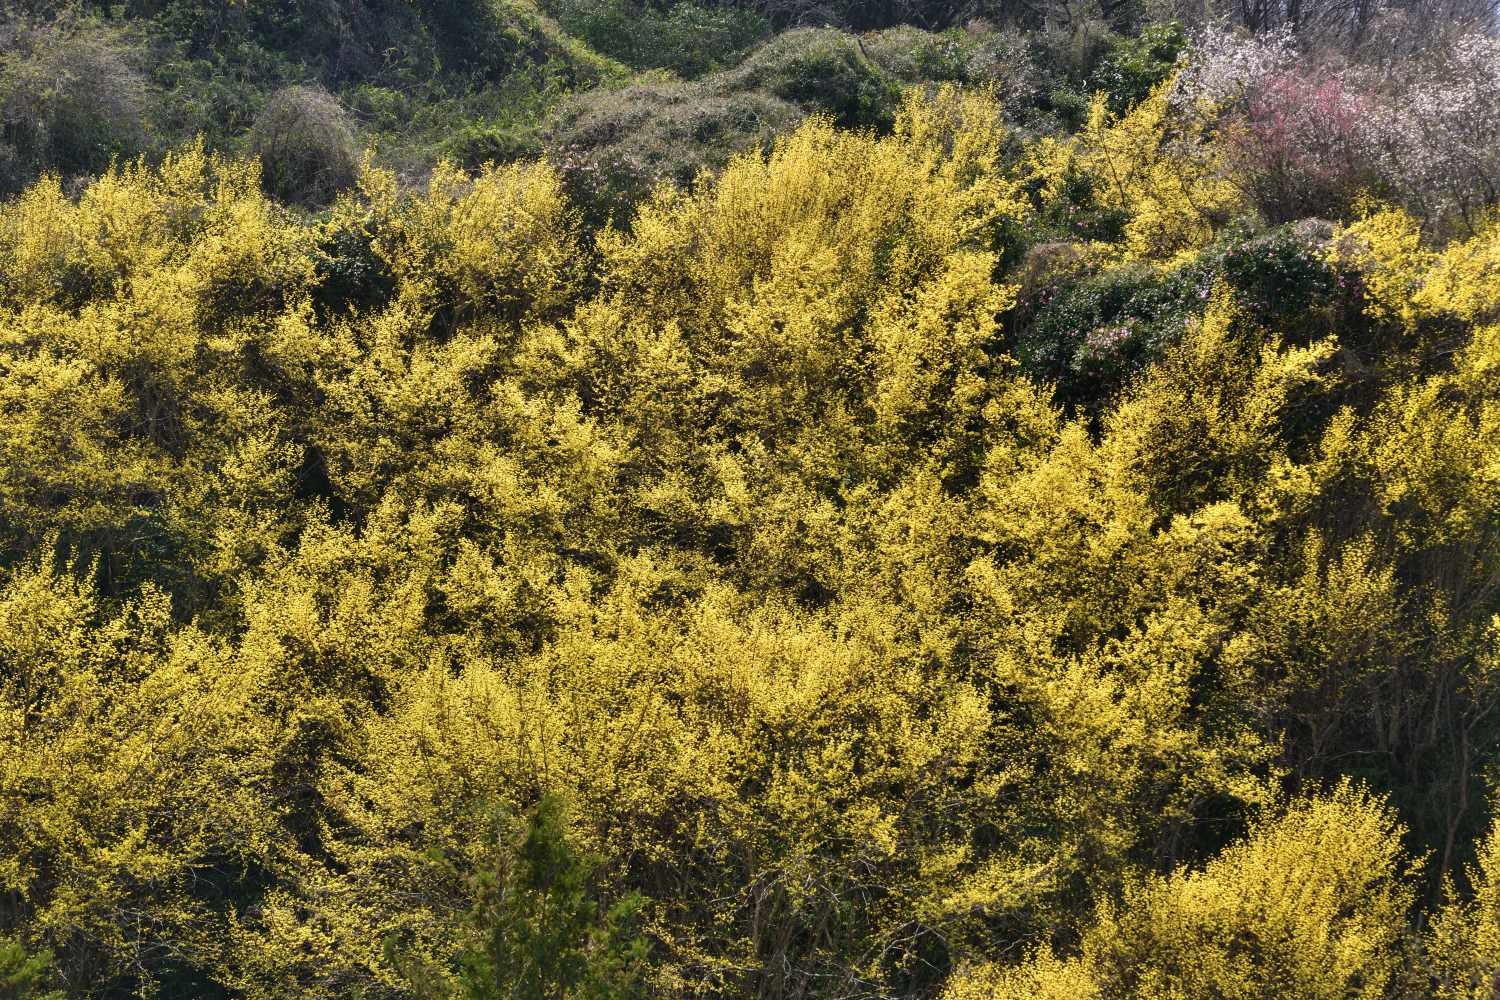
615 146
536 929
821 70
686 38
1308 906
1286 279
1091 333
893 622
1135 66
77 91
1309 136
488 80
979 541
976 55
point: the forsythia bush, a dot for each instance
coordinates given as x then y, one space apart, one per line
864 667
1308 906
1159 176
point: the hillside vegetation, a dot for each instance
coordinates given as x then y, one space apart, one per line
907 514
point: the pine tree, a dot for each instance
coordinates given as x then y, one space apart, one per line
542 931
25 975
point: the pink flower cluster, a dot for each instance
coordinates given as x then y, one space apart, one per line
1103 340
1304 136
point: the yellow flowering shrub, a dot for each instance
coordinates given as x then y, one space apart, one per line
1308 906
1158 171
871 663
1464 938
1387 247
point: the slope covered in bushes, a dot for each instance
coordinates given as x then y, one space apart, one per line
1036 535
872 650
660 90
78 88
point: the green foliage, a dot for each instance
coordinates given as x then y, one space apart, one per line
686 38
1135 66
1091 326
912 55
1285 280
614 147
76 91
477 144
823 70
464 39
542 934
1003 61
1092 333
868 15
497 123
25 976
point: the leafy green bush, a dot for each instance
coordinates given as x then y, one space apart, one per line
306 146
379 40
614 146
1134 66
479 143
72 97
915 56
216 95
337 42
496 123
977 54
481 38
1090 332
541 930
487 40
25 976
350 274
1285 279
868 15
821 70
687 38
1068 57
1075 48
76 91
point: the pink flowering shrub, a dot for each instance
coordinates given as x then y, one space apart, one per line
1293 133
1303 145
1305 137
